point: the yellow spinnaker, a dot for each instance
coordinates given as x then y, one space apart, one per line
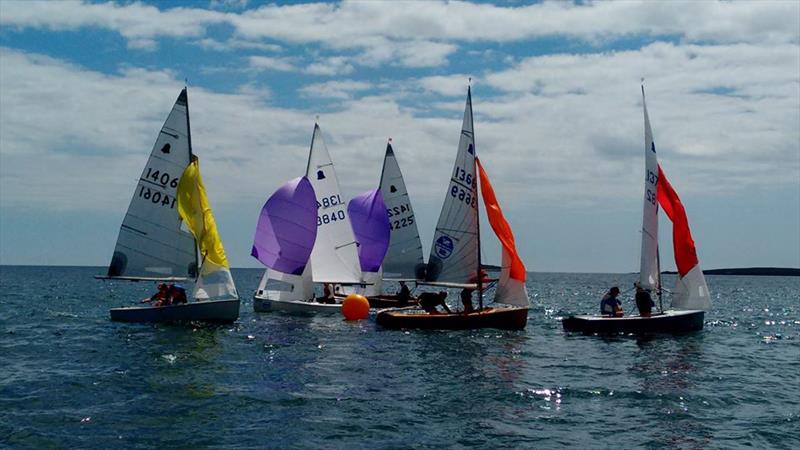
195 211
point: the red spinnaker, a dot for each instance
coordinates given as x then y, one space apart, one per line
500 225
682 242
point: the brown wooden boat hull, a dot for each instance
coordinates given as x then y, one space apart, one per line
500 318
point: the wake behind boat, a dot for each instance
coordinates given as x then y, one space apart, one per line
455 254
153 246
690 298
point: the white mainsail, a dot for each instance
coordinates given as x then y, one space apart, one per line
335 257
455 251
151 244
404 258
649 268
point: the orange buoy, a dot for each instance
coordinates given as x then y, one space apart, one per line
355 307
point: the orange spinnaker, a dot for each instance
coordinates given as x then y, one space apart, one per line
500 225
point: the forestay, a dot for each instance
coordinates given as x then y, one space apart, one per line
151 243
454 253
649 268
284 239
404 258
334 257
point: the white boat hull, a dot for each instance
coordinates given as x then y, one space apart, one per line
224 311
263 304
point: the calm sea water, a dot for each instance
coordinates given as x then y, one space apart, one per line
71 378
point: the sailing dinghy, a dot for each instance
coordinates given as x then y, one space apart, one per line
690 298
285 236
152 246
386 232
403 260
333 258
455 255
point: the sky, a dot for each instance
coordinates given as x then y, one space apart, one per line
86 86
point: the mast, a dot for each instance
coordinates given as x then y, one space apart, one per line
185 93
658 288
477 203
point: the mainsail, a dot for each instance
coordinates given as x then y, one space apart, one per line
284 239
151 244
649 268
334 258
454 256
404 258
214 280
511 286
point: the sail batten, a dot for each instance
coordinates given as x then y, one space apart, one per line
404 257
151 243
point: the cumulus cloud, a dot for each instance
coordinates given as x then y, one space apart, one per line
425 35
335 89
272 63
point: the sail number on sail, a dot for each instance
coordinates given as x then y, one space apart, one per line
327 202
401 222
160 179
653 180
464 186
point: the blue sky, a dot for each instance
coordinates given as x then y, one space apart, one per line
85 87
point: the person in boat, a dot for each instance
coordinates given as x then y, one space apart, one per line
161 295
466 300
430 300
644 303
404 295
327 294
177 294
610 304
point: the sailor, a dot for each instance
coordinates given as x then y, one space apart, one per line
644 303
159 297
177 294
610 304
327 294
404 295
430 300
466 300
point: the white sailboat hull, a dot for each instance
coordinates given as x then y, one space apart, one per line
265 304
224 311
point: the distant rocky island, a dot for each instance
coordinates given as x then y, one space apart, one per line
761 271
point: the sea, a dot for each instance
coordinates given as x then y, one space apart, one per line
71 378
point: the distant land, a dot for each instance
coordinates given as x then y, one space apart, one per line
761 271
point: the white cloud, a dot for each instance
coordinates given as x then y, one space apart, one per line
447 85
336 65
235 44
335 89
270 63
427 33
